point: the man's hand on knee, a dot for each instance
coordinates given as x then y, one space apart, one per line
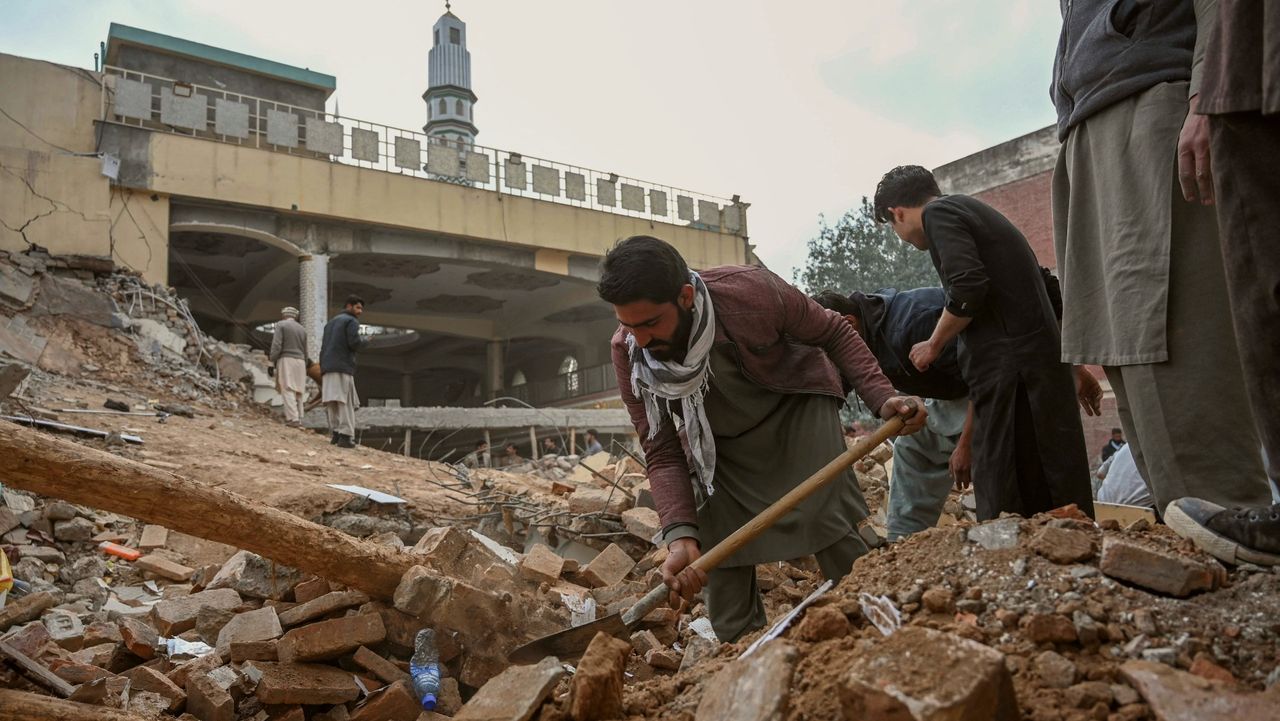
681 577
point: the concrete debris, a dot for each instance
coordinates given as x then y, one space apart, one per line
1156 570
513 695
752 689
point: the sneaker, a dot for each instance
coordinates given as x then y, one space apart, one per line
333 438
1233 535
344 441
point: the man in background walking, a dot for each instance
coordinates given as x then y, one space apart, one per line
338 364
289 354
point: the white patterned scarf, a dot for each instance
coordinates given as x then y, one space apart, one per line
658 383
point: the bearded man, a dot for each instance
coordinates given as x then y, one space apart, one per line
744 371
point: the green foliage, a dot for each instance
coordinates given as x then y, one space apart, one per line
857 253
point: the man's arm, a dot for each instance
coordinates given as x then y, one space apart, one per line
354 341
276 343
1195 173
950 325
960 463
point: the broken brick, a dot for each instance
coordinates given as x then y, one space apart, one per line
1048 628
145 678
195 667
331 639
138 637
304 683
208 701
323 606
174 616
541 564
393 703
450 603
310 589
595 692
1154 570
258 625
378 666
822 623
242 651
256 577
1179 696
164 568
587 499
609 568
642 523
515 694
919 673
663 658
153 537
77 673
1063 545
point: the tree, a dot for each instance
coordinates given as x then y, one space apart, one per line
857 253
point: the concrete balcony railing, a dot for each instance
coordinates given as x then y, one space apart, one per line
164 105
582 383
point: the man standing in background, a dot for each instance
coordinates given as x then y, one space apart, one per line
289 354
338 364
1142 275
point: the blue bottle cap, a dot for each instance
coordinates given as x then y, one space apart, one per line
429 701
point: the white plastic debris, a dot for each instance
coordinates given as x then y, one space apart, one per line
582 609
702 627
375 496
183 647
782 623
502 551
881 612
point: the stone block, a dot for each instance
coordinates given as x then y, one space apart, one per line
918 674
459 606
253 576
164 568
304 683
381 668
331 602
996 535
258 625
331 639
513 695
282 128
139 637
230 118
1054 669
1155 570
76 529
1048 628
1175 695
177 615
392 703
145 678
541 564
208 701
664 659
643 523
595 692
588 499
1063 545
609 568
364 145
755 688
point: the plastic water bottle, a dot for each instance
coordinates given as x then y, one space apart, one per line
424 667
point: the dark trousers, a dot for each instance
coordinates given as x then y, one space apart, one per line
1245 148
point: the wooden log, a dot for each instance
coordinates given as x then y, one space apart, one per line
22 706
51 466
33 669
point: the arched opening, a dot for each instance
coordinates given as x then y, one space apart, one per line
444 106
458 109
569 372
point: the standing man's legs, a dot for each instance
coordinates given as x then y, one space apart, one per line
1246 151
734 604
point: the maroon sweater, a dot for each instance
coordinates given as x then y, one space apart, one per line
787 344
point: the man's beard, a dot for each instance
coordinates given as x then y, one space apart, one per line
678 346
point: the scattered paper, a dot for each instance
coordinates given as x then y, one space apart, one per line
881 612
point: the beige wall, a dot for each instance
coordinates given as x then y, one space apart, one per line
57 198
193 168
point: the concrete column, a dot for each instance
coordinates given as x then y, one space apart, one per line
313 286
493 375
406 390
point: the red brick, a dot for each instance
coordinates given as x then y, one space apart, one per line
258 625
144 678
76 673
138 637
164 568
1179 696
321 607
595 692
609 568
331 639
446 602
516 693
304 683
1155 570
174 616
541 564
195 667
254 651
208 701
379 666
393 703
310 589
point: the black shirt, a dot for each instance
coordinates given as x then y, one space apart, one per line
892 323
991 275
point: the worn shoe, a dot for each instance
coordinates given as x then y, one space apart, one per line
333 438
345 441
1233 535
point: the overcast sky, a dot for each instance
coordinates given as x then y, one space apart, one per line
797 106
